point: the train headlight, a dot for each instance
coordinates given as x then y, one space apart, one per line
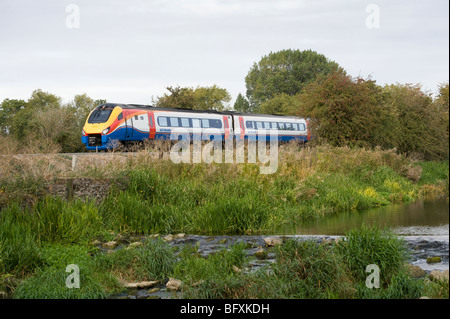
105 131
83 133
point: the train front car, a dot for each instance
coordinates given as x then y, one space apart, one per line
100 125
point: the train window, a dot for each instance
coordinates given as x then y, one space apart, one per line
302 127
174 121
274 126
288 127
215 123
196 123
136 117
162 121
99 115
141 117
281 126
205 123
184 122
249 124
295 125
259 125
120 116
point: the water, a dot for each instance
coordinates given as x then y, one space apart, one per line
422 217
424 225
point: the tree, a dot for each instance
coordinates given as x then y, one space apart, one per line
211 98
345 110
82 105
286 71
202 98
8 109
178 98
281 104
241 105
442 100
420 126
39 100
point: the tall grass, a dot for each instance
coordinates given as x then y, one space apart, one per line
307 269
371 245
57 220
19 246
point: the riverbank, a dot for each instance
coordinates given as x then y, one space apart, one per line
275 267
42 231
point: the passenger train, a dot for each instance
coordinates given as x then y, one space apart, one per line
110 124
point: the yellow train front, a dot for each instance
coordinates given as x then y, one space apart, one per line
106 126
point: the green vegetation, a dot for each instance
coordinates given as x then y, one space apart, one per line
40 233
201 98
306 269
302 269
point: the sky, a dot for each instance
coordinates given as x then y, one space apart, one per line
130 51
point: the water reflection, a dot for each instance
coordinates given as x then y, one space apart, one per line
422 217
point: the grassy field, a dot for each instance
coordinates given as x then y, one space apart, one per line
39 233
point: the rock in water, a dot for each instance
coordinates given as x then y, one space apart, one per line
273 241
109 245
141 285
261 253
432 260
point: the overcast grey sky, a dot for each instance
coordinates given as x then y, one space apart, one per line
129 51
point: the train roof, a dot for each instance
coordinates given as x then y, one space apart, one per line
151 107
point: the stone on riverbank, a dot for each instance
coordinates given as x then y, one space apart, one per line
273 241
261 253
173 284
415 271
134 245
109 245
437 275
141 285
168 237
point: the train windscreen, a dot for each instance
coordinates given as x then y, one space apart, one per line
100 115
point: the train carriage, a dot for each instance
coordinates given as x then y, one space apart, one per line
257 126
110 124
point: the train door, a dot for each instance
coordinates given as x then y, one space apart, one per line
242 127
128 125
226 127
152 125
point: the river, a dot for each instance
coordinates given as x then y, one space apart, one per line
423 224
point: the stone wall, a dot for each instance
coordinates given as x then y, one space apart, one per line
82 188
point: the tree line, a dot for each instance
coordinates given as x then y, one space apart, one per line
342 110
